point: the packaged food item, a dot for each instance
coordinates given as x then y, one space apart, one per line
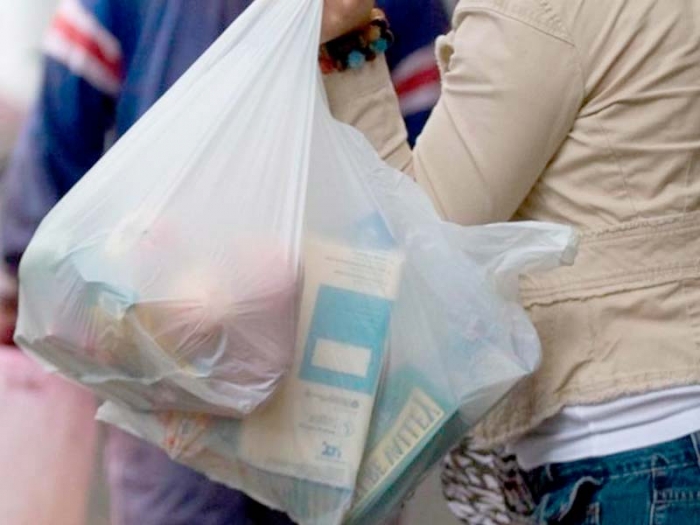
413 427
315 427
309 440
383 383
160 334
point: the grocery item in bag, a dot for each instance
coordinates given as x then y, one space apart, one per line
315 426
168 277
308 441
299 453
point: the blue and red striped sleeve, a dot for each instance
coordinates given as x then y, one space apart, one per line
416 25
65 134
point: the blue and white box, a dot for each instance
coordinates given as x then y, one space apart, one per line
316 426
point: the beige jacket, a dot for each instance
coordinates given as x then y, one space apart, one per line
584 112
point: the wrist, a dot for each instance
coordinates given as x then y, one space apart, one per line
354 49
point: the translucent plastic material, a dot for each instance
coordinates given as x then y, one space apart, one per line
448 360
168 277
255 291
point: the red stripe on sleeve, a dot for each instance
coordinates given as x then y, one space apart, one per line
417 80
85 42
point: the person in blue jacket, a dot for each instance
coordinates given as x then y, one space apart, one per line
415 24
106 63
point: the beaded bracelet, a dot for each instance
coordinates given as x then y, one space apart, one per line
354 49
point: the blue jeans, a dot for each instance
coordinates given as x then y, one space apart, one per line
658 485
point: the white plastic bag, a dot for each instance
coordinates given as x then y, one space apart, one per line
437 382
239 242
168 277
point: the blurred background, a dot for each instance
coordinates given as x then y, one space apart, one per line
22 25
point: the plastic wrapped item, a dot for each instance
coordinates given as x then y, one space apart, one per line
426 405
168 278
241 253
300 453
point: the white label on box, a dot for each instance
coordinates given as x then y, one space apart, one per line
343 358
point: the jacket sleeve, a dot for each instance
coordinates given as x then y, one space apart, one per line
510 94
65 133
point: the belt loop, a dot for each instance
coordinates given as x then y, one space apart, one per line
548 472
695 438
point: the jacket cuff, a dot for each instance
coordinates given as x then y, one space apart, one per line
345 87
365 99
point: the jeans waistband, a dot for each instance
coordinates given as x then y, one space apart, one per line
680 452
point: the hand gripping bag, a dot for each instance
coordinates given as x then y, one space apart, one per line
239 249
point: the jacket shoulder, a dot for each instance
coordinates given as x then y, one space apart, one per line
539 14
